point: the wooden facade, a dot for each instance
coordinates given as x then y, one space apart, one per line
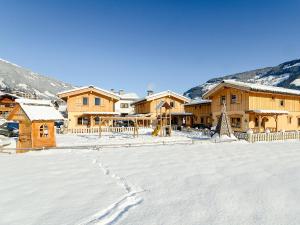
148 105
255 108
33 133
86 105
7 103
201 114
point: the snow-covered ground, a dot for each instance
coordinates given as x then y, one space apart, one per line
145 137
229 183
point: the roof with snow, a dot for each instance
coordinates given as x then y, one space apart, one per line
252 87
39 109
2 94
87 88
162 94
199 102
129 96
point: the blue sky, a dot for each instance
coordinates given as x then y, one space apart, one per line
132 45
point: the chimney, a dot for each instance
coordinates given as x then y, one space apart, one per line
150 92
121 92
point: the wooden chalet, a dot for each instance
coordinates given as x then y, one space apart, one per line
7 103
257 107
200 110
147 106
87 105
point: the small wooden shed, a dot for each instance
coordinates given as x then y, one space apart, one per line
36 123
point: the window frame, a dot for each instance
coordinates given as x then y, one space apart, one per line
233 101
222 101
83 101
237 123
44 131
124 104
95 101
97 120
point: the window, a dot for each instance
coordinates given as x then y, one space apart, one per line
202 120
79 121
124 105
83 121
256 122
289 119
222 99
97 101
172 104
281 102
44 131
236 122
298 122
97 120
85 101
233 99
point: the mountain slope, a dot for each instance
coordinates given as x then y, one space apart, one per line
284 75
16 78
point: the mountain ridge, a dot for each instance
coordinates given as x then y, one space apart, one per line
17 78
285 75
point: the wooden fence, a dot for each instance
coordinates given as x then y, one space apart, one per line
276 136
96 130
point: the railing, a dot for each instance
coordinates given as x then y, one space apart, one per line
273 136
96 130
241 135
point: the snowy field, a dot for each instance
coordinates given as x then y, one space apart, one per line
229 183
145 137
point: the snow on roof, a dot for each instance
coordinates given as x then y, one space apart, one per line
9 94
269 111
198 102
39 109
129 96
261 87
90 86
162 94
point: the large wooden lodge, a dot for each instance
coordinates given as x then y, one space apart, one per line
87 104
249 106
255 106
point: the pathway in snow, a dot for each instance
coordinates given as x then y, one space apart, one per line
115 211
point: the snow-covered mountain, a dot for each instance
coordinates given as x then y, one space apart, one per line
284 75
17 78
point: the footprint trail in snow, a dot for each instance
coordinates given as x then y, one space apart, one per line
115 211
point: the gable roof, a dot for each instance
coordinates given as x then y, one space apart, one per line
251 87
162 94
3 94
129 96
39 110
74 91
